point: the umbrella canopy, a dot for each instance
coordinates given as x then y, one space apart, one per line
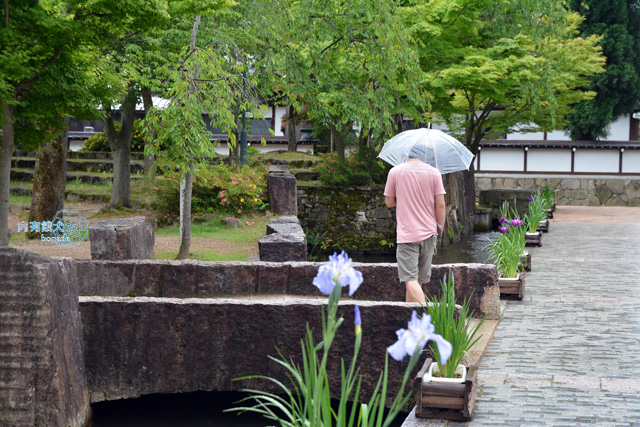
432 146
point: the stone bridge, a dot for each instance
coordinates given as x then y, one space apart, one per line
75 331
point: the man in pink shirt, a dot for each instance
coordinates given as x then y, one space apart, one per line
416 189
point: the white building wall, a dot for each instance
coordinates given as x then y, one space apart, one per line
558 135
280 111
548 160
502 159
596 160
631 161
618 130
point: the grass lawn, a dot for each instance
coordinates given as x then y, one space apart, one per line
216 241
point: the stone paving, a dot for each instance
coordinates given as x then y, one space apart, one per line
569 353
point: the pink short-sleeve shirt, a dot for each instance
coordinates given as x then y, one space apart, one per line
414 185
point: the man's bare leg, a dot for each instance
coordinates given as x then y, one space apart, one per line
414 292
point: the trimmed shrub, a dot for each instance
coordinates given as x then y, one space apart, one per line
359 168
219 189
99 142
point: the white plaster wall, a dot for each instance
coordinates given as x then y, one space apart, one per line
75 144
596 160
549 160
526 136
280 111
558 135
631 161
302 148
502 159
619 130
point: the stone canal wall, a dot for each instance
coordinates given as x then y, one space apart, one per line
576 190
42 370
137 346
143 327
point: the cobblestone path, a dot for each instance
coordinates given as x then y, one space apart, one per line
569 353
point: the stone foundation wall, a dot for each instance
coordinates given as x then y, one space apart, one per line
358 217
577 190
42 372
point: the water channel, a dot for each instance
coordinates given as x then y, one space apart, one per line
199 409
206 409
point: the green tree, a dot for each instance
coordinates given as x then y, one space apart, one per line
42 45
496 67
346 62
210 78
618 90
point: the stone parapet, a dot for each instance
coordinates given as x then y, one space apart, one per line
42 371
187 279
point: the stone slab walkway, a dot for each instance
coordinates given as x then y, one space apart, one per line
569 353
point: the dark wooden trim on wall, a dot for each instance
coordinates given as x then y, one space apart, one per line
620 154
573 159
556 173
526 151
478 157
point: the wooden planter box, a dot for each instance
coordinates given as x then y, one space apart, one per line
526 261
512 288
533 239
445 401
543 226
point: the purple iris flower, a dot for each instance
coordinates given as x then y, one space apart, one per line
502 219
504 230
358 319
337 271
517 222
532 197
419 332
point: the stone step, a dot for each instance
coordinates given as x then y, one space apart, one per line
102 155
305 175
77 165
20 191
75 196
84 177
292 164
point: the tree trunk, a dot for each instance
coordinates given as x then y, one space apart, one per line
399 121
363 139
120 144
186 187
291 130
6 151
147 100
49 179
337 143
186 182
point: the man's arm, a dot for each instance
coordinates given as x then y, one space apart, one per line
441 212
390 201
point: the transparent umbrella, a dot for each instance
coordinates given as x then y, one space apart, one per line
433 146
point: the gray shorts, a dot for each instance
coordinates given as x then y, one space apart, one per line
414 260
